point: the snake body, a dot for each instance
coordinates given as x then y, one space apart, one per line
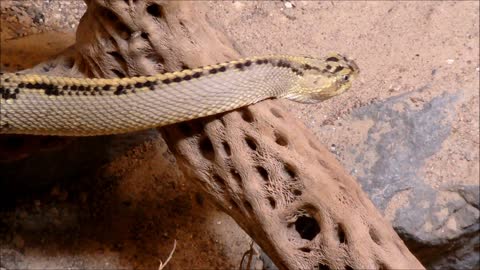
46 105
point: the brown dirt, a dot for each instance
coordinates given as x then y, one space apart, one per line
399 46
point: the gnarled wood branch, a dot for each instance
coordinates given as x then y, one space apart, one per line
260 165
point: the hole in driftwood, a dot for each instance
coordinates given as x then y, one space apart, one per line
263 172
289 170
272 202
155 10
276 113
117 57
220 181
226 148
206 148
280 139
199 199
322 266
118 73
305 249
155 57
222 121
144 35
234 204
251 143
374 236
341 234
322 163
236 175
110 15
382 266
307 227
47 68
69 62
123 30
247 115
185 129
249 207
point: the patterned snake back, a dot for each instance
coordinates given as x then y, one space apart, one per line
45 105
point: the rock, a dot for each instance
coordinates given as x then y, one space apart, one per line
438 223
288 4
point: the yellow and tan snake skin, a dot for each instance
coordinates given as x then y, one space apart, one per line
45 105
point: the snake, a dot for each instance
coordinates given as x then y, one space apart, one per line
38 104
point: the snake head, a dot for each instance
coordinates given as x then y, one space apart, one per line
323 78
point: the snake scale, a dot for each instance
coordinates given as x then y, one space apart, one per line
47 105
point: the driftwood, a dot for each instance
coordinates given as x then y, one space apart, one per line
258 164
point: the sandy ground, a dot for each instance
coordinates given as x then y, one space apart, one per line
400 47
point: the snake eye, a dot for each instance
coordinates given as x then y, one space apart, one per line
346 77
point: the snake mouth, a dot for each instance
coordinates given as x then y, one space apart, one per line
353 66
325 78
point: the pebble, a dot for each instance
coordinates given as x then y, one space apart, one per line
289 4
333 147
